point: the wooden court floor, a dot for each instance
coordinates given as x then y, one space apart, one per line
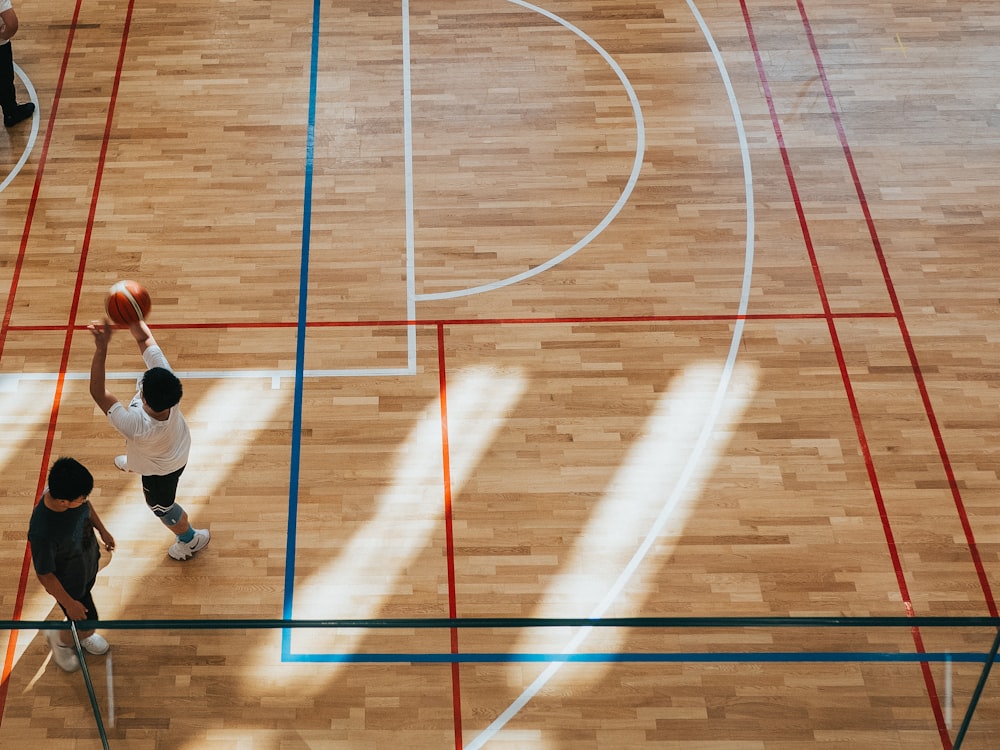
491 309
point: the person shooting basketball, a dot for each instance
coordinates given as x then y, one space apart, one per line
157 437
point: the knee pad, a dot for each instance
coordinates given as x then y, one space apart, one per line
168 516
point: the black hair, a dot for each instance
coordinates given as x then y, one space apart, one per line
161 389
69 479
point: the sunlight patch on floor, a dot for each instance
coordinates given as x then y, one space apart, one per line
372 567
646 506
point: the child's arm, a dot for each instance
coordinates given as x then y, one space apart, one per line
109 541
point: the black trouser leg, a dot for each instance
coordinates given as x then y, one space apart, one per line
8 98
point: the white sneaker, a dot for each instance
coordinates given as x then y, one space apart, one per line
185 550
121 463
95 644
64 656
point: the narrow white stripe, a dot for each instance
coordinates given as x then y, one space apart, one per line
111 692
9 381
947 692
411 305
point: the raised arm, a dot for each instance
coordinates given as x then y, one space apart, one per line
98 389
142 335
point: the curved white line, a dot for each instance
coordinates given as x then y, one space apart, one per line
704 436
640 147
32 137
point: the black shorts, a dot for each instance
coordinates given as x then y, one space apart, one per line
161 491
87 600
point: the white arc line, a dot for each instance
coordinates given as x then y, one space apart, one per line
707 429
640 148
32 136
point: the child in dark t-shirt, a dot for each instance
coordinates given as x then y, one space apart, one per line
65 554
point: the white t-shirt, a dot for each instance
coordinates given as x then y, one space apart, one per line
153 448
4 6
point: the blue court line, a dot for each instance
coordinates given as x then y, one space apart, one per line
300 346
748 657
657 658
449 623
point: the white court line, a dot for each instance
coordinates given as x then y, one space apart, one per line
111 692
948 698
640 148
707 429
32 137
411 287
9 381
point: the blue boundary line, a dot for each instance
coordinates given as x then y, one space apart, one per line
747 657
287 626
300 348
448 623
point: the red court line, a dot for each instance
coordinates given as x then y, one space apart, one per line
449 536
70 326
42 160
5 326
903 331
845 377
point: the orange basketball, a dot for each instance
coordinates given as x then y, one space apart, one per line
127 302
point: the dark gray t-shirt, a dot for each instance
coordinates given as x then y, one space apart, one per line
64 544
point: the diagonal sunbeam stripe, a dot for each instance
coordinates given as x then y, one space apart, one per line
663 472
369 568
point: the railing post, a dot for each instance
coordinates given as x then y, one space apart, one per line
90 687
977 693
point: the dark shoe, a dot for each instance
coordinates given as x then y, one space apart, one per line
21 112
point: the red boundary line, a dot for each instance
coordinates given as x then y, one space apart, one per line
71 326
903 331
449 536
42 160
845 375
8 664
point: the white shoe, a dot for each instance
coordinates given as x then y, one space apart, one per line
185 550
121 463
64 656
95 644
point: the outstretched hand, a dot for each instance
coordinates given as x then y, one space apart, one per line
102 332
